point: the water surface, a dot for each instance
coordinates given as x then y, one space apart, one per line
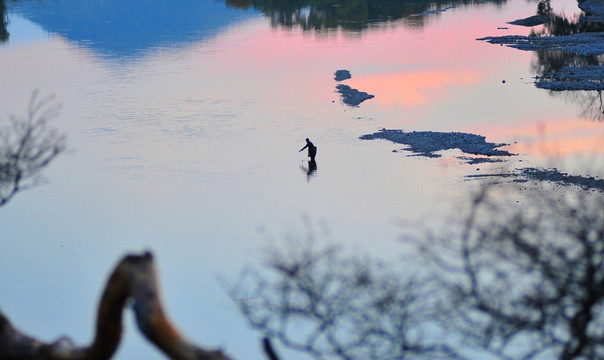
184 123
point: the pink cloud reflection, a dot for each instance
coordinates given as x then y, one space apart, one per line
554 139
414 88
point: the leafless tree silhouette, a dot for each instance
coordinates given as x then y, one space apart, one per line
519 276
316 300
525 274
28 145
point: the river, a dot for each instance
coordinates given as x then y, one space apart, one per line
183 125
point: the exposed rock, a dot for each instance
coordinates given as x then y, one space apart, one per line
568 78
553 175
341 75
581 44
478 160
586 43
587 77
549 175
530 21
427 143
352 97
594 10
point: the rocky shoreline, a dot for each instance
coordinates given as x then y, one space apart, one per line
571 77
589 42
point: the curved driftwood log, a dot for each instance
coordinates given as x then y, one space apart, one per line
133 279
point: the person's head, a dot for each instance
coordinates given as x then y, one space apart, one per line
307 140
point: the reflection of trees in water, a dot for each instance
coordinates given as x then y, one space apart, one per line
547 63
517 275
560 25
589 101
3 22
354 15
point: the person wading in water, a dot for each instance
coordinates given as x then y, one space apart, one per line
312 150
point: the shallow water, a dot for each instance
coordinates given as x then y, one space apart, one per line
184 124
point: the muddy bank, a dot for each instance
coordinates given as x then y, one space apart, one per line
428 143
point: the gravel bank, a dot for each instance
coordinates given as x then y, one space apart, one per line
427 143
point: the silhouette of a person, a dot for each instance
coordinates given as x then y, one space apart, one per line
312 150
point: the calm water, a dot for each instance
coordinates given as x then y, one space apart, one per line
184 123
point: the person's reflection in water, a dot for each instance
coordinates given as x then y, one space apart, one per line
310 170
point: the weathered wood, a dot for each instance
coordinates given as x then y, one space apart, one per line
151 317
133 278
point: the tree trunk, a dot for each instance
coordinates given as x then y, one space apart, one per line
133 278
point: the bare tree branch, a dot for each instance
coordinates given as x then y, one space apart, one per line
268 349
133 279
532 273
27 146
